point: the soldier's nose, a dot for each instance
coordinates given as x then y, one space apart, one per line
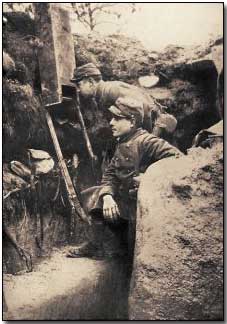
112 122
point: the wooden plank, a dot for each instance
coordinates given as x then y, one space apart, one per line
56 56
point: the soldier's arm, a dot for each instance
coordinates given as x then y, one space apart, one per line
110 184
109 181
154 149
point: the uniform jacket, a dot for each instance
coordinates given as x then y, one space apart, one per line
134 153
109 91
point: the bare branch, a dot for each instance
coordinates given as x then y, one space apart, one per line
103 6
88 13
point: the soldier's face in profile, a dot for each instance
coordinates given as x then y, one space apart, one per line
120 126
86 88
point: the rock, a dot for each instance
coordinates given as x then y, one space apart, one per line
20 169
148 81
39 154
44 166
41 160
217 128
178 265
12 182
8 63
161 93
153 56
209 137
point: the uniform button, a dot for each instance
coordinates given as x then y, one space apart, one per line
127 159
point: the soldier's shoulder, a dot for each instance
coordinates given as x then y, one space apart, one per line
145 134
109 86
142 135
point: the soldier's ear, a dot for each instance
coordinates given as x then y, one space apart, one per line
91 80
133 122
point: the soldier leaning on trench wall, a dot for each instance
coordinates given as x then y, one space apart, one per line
113 203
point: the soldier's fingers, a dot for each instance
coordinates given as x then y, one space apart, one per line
114 213
105 213
108 214
117 210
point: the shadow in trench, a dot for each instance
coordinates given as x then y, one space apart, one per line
105 299
103 296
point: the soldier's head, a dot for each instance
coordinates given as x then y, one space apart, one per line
127 115
87 77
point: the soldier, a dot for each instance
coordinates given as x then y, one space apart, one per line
104 93
114 201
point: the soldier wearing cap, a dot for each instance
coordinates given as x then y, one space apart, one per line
114 201
89 81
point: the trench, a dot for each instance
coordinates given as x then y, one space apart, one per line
62 288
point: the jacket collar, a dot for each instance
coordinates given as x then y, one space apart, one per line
135 133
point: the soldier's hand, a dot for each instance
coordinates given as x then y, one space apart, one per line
136 180
111 211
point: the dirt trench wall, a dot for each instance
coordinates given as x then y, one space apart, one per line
178 266
37 220
192 98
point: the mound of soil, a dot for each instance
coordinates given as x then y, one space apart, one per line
119 57
178 268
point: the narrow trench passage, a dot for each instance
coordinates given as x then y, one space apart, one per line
63 288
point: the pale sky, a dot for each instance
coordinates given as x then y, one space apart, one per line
160 24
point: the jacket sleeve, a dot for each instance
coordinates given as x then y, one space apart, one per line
109 182
154 149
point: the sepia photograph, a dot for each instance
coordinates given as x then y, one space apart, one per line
112 161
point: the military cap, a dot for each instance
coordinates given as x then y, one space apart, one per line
84 71
127 108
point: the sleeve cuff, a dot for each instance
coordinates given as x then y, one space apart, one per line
107 190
